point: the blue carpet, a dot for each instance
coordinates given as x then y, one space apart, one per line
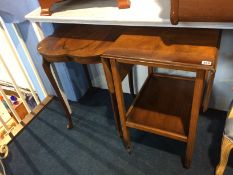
92 147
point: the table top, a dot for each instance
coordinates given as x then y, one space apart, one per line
79 43
187 49
106 12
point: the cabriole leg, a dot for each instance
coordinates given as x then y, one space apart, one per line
47 69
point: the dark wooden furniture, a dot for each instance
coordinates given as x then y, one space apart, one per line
83 44
46 5
166 105
201 11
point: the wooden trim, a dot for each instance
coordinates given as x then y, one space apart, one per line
174 13
156 128
162 64
157 131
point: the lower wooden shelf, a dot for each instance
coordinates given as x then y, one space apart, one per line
163 106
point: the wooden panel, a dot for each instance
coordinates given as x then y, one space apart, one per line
181 47
201 11
163 107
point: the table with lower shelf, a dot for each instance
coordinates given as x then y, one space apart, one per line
166 105
175 118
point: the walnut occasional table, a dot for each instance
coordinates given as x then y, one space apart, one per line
83 44
166 105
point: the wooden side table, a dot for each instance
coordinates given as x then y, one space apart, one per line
83 44
166 105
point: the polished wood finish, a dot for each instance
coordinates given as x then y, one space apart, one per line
196 103
83 44
201 11
47 68
78 43
46 5
108 75
167 105
174 16
120 102
151 113
173 38
188 48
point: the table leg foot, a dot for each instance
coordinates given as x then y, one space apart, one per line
128 150
70 125
127 147
186 163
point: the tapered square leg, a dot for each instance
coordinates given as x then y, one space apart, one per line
120 102
197 97
109 78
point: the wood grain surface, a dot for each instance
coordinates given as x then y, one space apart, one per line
181 47
201 11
